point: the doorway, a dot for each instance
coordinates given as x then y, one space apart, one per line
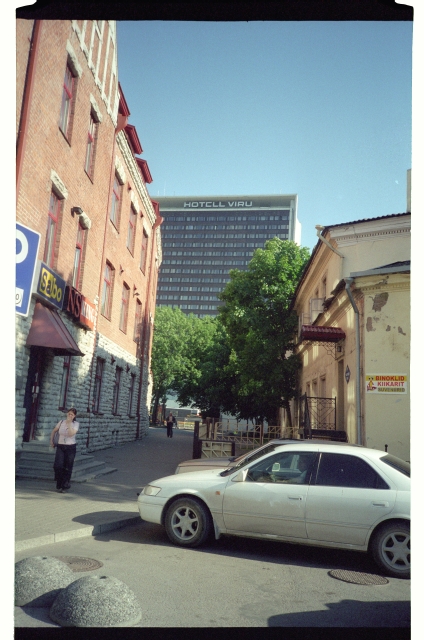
32 391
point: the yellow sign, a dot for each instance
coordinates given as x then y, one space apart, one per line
386 383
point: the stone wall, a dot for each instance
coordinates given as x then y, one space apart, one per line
97 431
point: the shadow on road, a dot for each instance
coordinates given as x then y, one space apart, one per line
271 551
349 613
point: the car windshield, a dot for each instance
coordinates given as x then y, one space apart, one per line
241 461
398 464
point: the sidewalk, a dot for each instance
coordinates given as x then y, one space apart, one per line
43 516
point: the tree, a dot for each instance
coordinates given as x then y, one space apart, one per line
209 388
168 352
256 314
180 343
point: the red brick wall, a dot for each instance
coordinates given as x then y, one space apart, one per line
47 149
23 43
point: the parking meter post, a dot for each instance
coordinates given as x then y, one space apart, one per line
196 439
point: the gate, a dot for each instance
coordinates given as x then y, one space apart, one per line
317 414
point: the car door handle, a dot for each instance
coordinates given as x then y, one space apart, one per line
380 504
295 497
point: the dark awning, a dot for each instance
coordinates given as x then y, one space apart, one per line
321 334
48 330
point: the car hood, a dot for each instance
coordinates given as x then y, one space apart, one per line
206 462
193 479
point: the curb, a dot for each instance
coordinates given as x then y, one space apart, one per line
83 532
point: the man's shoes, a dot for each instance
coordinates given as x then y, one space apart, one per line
67 485
59 490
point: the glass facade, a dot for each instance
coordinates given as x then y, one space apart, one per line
200 246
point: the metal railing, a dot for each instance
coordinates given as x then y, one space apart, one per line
245 436
316 414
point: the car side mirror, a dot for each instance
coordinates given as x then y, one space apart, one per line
240 476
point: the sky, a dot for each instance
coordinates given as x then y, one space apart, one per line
317 109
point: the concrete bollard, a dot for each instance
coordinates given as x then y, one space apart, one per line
96 601
38 580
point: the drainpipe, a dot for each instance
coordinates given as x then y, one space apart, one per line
29 86
348 282
319 228
157 224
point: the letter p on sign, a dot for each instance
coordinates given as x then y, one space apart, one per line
27 243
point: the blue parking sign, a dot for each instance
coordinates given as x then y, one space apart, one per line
27 242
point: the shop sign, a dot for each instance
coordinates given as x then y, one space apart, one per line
387 383
49 286
81 310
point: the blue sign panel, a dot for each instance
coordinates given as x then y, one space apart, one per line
27 242
50 286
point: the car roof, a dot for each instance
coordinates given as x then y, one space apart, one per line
315 441
322 445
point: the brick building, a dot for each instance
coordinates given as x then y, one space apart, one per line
85 339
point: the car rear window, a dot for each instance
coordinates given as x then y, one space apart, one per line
398 464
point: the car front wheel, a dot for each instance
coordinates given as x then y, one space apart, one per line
391 549
188 522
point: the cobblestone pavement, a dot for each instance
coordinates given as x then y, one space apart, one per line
43 516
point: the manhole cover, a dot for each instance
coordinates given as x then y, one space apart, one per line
76 563
357 577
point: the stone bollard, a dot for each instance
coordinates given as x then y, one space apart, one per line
38 580
96 601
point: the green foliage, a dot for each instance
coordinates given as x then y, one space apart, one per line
180 342
210 388
240 362
261 327
167 350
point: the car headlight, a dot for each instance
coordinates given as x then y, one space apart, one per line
150 490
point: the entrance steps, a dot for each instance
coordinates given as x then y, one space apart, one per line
36 461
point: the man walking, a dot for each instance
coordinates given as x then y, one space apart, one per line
169 425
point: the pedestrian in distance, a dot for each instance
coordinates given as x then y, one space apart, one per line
169 425
66 449
175 423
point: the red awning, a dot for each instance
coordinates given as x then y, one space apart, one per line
321 334
48 330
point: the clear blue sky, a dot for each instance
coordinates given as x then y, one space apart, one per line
321 109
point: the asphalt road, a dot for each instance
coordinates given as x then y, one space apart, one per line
234 582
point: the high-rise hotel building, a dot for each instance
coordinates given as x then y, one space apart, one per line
204 237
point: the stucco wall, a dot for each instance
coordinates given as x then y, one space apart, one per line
386 339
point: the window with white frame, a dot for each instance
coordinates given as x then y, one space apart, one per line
107 290
68 97
131 230
315 308
125 298
116 199
78 259
55 205
143 259
90 153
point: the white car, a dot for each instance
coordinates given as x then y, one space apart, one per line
321 494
